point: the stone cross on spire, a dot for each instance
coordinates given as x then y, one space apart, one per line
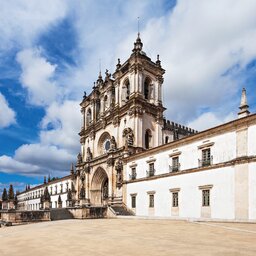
243 105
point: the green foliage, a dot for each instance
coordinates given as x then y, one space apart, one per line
4 195
11 193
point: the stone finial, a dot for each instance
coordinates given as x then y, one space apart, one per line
118 65
158 62
138 44
243 105
72 169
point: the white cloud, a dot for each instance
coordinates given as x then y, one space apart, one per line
65 123
45 157
198 43
23 21
10 165
208 120
38 77
7 115
58 146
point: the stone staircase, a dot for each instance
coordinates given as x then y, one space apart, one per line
60 214
121 210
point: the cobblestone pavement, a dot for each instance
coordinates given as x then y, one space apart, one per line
128 237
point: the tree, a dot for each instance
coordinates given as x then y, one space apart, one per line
11 193
4 195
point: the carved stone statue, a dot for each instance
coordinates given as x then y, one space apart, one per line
79 158
128 134
119 165
112 143
130 139
88 154
82 192
119 168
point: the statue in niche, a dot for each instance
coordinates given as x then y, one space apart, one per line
79 158
82 192
88 154
128 134
112 143
69 195
119 168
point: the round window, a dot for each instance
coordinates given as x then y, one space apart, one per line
107 145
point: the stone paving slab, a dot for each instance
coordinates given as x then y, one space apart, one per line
128 237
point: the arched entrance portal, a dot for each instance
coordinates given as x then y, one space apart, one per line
99 187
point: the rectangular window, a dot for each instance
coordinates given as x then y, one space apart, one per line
175 164
206 157
151 170
151 201
133 201
175 199
134 174
206 197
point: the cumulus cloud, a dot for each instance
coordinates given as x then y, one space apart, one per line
57 148
61 125
205 47
10 165
23 21
208 120
7 115
38 77
45 158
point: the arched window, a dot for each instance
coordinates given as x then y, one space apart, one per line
147 88
105 102
88 117
148 136
126 90
166 139
98 109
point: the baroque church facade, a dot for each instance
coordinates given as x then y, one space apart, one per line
134 160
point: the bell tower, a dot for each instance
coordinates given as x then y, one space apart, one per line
138 89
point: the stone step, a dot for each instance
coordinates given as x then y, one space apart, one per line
121 210
60 214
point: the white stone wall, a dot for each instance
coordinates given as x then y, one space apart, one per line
223 149
232 186
31 198
190 196
252 191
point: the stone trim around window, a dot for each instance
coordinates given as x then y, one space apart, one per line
207 145
173 190
151 160
134 165
151 192
175 154
205 187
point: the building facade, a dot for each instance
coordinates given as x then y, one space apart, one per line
133 158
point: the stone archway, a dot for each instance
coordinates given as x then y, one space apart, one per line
99 187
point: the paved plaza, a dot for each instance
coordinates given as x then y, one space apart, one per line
128 237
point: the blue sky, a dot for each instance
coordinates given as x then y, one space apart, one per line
49 55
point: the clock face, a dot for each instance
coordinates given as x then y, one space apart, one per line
107 145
